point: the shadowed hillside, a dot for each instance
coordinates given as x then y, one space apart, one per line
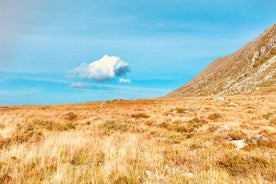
248 69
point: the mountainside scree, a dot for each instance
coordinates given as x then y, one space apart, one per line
250 68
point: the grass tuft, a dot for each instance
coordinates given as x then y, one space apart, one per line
244 165
214 116
237 135
140 115
5 178
115 126
273 122
70 116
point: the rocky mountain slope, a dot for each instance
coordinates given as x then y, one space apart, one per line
250 68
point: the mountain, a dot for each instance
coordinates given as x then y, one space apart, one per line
250 68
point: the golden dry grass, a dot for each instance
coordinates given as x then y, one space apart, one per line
185 140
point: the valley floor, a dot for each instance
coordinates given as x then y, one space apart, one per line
189 140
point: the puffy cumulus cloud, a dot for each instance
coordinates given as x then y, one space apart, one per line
78 85
103 69
122 80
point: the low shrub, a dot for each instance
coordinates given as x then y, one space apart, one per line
273 122
5 178
70 116
242 165
237 135
186 126
4 142
180 110
52 125
84 157
115 126
140 115
214 116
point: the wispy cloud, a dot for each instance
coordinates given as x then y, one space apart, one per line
19 92
122 80
103 69
79 85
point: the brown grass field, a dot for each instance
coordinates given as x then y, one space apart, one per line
185 140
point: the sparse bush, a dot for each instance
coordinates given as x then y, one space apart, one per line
84 157
269 143
237 135
268 115
43 124
33 131
214 116
140 115
27 133
4 142
242 165
212 128
175 137
165 125
266 139
52 125
113 126
261 143
69 125
149 123
22 134
177 157
167 113
2 126
186 127
119 179
5 178
180 110
70 116
273 122
116 178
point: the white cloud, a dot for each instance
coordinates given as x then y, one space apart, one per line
122 80
104 69
78 85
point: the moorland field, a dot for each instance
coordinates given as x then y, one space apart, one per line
165 140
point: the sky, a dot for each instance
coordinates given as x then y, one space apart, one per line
65 51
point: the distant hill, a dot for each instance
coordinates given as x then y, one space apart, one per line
250 68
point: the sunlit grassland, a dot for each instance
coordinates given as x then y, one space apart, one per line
184 140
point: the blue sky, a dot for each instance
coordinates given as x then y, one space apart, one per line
164 43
